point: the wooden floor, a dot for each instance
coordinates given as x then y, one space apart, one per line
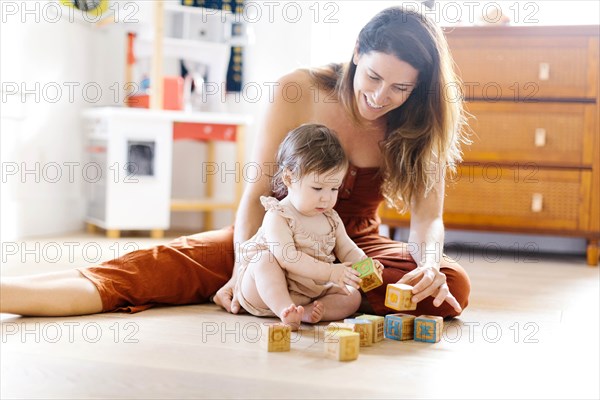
531 331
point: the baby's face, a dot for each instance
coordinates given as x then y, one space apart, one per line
316 192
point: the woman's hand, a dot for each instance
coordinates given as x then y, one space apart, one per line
430 281
343 274
225 297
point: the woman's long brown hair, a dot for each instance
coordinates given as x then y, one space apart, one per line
424 135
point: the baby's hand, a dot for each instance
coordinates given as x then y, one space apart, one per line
378 265
343 274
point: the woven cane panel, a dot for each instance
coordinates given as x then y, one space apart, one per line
485 65
479 191
511 135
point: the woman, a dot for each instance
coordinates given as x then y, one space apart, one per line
393 101
401 130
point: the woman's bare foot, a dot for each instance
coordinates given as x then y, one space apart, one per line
313 312
292 316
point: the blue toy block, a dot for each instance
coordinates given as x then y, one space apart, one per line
428 328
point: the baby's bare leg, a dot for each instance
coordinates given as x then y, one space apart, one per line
264 286
338 305
55 294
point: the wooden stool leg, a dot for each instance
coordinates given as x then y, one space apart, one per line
157 233
208 221
113 233
592 253
90 228
210 186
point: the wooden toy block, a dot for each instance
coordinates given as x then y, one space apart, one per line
340 325
343 346
371 278
398 297
364 328
428 328
378 325
399 326
333 328
276 337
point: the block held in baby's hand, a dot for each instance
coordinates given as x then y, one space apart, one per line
371 278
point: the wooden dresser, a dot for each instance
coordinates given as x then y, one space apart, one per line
534 165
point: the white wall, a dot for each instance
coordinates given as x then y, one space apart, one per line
52 57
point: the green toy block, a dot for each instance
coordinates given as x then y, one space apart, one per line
371 278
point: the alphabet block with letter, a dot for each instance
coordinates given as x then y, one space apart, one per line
276 337
343 345
364 328
399 326
378 323
428 328
398 297
371 278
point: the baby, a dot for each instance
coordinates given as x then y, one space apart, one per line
288 268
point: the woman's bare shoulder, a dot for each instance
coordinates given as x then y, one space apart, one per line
291 99
299 76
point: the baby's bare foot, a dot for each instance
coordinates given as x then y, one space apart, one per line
313 312
292 316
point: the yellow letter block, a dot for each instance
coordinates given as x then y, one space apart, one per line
364 328
336 326
378 323
343 345
371 278
398 297
276 337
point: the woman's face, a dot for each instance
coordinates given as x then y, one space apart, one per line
382 83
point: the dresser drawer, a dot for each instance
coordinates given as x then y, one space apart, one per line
503 197
517 197
542 133
522 68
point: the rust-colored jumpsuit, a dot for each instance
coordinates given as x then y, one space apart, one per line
192 268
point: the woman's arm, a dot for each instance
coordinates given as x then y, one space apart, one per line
280 117
426 245
426 237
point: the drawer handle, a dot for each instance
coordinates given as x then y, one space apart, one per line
540 137
544 73
537 200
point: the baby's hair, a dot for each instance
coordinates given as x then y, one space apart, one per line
306 149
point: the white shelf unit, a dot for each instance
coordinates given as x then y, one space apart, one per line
130 155
211 17
112 132
203 36
119 200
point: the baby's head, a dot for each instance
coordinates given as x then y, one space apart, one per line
309 149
